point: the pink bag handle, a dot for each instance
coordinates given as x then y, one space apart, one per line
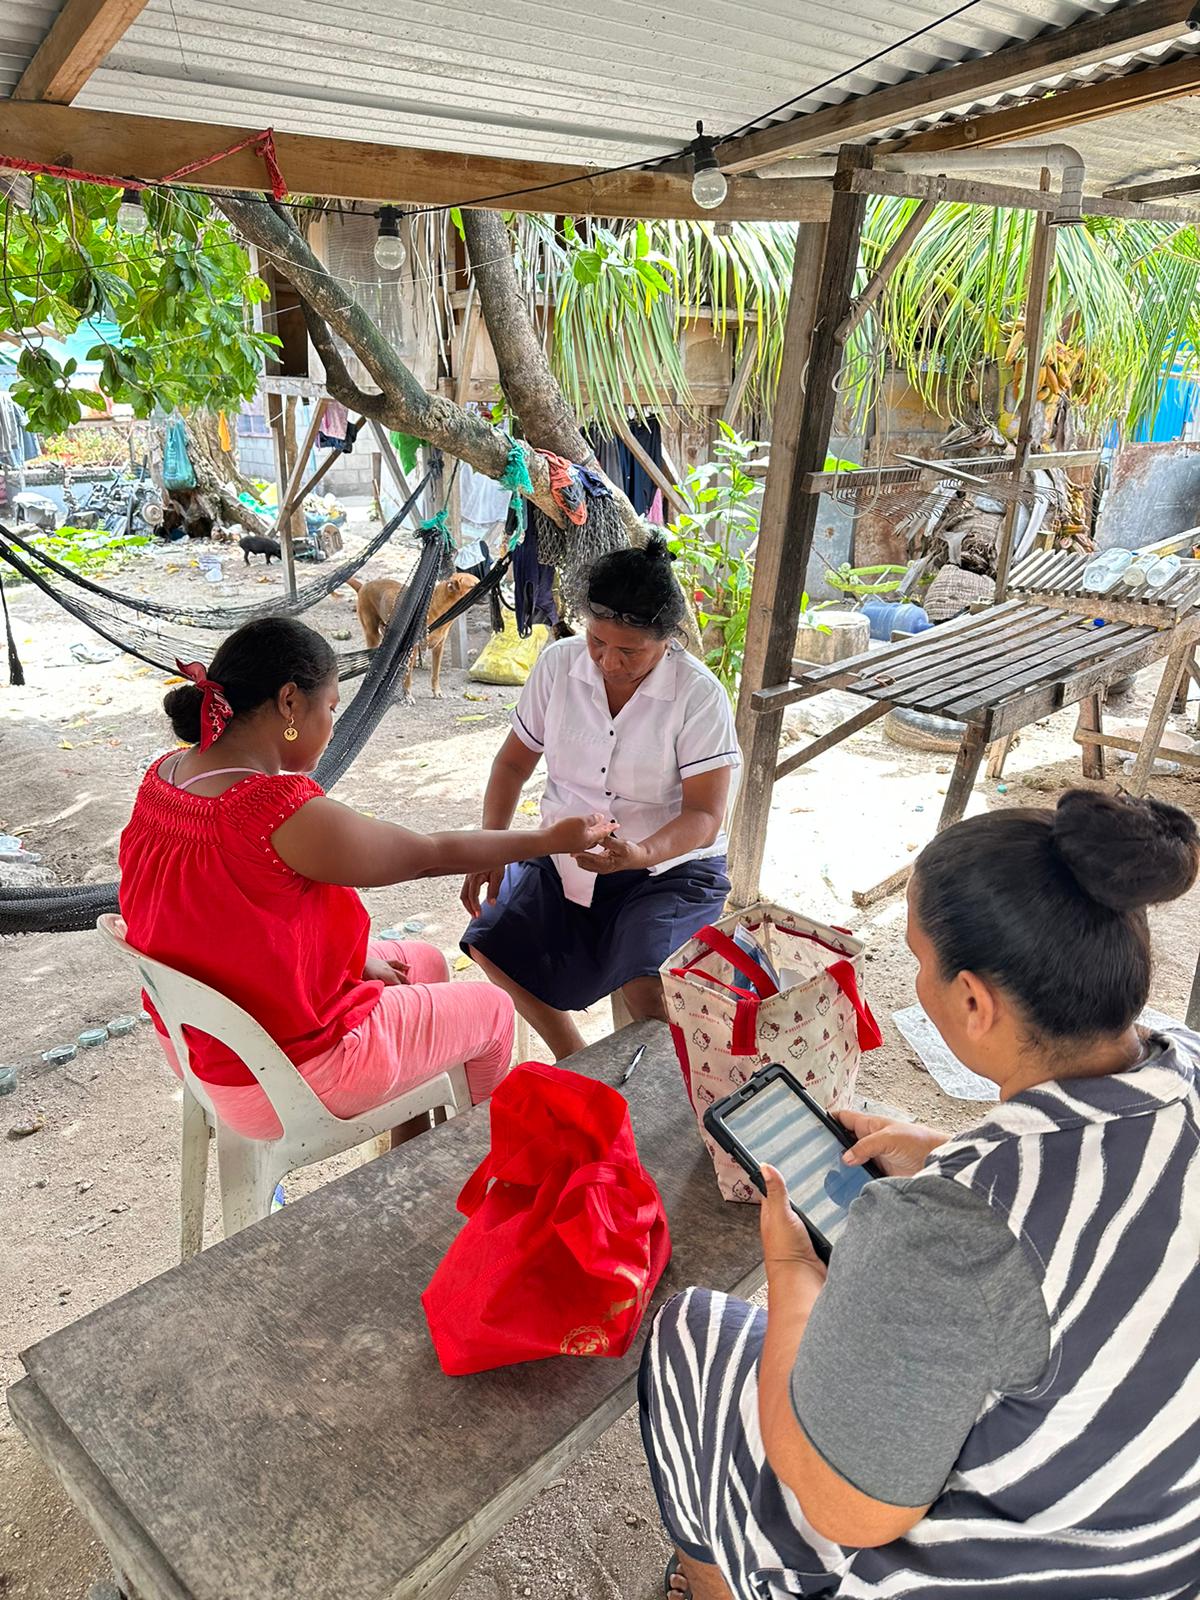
744 1041
869 1035
722 945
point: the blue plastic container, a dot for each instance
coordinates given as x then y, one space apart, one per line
888 616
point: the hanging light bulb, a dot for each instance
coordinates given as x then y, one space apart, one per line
709 187
130 213
389 247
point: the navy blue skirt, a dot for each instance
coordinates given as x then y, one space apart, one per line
569 956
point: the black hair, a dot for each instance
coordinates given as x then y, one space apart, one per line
252 666
1051 905
639 586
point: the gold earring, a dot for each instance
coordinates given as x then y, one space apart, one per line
291 733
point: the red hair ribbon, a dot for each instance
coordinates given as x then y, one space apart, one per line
216 710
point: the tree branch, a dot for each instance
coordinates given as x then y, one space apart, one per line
337 375
401 403
529 385
525 375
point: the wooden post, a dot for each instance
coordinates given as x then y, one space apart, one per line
283 471
1040 267
966 769
389 459
293 495
1193 1010
1176 666
822 282
1091 720
883 273
741 377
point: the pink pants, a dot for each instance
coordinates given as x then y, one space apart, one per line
417 1029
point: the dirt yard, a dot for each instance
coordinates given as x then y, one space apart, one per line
89 1201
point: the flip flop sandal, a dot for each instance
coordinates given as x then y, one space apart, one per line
674 1571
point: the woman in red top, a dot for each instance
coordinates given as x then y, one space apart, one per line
237 870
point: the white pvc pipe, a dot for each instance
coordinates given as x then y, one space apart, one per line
1061 159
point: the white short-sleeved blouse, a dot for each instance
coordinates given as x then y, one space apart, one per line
678 724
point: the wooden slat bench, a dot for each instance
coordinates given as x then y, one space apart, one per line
268 1421
1000 670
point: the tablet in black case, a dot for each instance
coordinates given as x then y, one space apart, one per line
772 1120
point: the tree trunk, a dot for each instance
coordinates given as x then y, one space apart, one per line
530 386
217 477
204 430
399 401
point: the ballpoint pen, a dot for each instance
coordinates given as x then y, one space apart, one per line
629 1070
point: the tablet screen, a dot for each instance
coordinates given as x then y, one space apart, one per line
779 1130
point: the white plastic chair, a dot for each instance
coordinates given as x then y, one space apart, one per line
621 1015
249 1169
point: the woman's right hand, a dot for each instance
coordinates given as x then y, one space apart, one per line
474 882
900 1148
575 834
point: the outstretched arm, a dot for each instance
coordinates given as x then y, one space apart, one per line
333 844
513 767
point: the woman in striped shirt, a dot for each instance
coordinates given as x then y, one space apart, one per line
995 1391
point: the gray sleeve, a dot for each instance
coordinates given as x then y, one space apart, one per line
930 1306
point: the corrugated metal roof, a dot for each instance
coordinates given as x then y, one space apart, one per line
595 81
570 80
23 26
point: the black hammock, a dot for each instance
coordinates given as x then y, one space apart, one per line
221 618
74 907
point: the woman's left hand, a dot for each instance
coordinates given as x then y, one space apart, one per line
785 1240
387 972
614 855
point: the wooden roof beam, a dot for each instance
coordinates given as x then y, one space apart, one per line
1065 50
1188 183
1056 113
79 39
345 169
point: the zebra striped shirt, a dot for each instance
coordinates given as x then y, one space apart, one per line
1087 1487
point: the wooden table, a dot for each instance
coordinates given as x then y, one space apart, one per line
997 671
268 1421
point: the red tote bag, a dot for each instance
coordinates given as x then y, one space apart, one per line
566 1235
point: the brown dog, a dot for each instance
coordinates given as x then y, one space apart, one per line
377 600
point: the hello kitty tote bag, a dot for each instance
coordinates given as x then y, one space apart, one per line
766 985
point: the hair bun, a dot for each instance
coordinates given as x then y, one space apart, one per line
1126 853
656 549
183 706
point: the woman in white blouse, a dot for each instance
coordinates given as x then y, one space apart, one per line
631 724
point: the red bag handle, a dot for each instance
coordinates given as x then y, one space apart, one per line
869 1035
722 945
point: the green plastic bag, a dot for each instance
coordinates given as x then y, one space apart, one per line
178 472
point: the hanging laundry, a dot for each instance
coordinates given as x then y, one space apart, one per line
482 501
594 485
613 456
642 486
334 419
12 429
655 513
337 432
533 585
224 437
565 487
620 464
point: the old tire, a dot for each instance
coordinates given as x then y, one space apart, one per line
919 730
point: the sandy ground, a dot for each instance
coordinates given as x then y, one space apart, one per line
90 1201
